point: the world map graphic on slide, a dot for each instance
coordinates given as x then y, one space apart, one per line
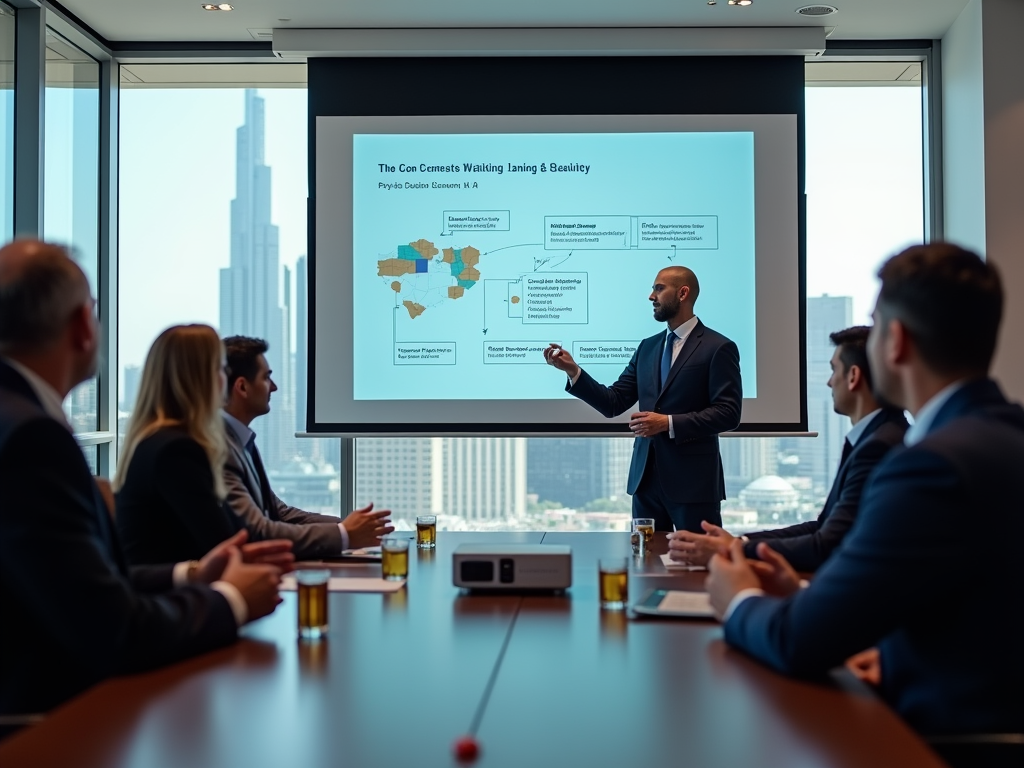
423 281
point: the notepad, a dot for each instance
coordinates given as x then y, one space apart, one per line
687 605
675 565
349 585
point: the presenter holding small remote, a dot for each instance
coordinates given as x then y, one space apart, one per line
688 387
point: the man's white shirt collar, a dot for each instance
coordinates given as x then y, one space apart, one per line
857 430
683 331
926 415
49 398
244 433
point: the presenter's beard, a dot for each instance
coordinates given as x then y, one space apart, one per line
663 312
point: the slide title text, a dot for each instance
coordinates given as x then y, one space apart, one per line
498 168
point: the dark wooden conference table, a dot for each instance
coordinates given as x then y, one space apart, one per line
402 676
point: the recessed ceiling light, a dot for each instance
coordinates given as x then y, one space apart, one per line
220 7
741 2
712 2
817 10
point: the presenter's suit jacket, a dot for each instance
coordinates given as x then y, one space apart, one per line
808 545
73 613
944 610
265 516
167 509
704 396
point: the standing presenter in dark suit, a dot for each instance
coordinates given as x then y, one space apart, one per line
688 387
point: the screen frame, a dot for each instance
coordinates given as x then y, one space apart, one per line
500 86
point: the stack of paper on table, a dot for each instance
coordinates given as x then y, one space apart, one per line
349 585
675 565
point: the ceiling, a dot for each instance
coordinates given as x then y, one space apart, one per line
185 20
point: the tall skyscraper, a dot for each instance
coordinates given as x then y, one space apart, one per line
819 457
478 479
132 377
485 478
575 471
745 459
250 299
403 475
301 342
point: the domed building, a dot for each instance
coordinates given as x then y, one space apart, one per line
773 497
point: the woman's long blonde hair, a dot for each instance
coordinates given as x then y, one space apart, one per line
181 386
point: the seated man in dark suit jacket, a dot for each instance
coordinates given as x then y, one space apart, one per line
73 613
876 430
945 615
264 515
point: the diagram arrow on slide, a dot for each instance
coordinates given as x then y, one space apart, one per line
673 256
505 248
538 263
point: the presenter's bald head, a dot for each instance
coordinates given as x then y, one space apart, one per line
679 276
674 291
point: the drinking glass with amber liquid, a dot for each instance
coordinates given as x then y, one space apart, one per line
394 558
643 532
312 595
426 531
613 579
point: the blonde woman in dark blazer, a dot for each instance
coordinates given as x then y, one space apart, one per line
169 482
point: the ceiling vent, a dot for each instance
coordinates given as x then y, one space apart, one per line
817 10
262 34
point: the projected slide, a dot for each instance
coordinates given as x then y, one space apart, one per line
472 251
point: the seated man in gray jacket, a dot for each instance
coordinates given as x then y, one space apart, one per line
264 515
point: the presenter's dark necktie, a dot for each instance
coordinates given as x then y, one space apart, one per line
847 450
261 474
666 357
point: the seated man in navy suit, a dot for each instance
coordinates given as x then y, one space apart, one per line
876 429
687 383
944 614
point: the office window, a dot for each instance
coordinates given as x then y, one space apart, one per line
865 202
212 228
71 180
187 156
7 30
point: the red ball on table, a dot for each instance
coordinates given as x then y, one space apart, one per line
467 749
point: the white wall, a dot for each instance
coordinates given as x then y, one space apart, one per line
983 157
1003 28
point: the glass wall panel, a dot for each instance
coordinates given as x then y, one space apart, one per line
71 179
212 229
7 30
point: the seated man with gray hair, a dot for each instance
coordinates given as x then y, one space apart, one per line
74 612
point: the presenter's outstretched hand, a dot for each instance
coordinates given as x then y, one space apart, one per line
365 527
561 359
698 548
